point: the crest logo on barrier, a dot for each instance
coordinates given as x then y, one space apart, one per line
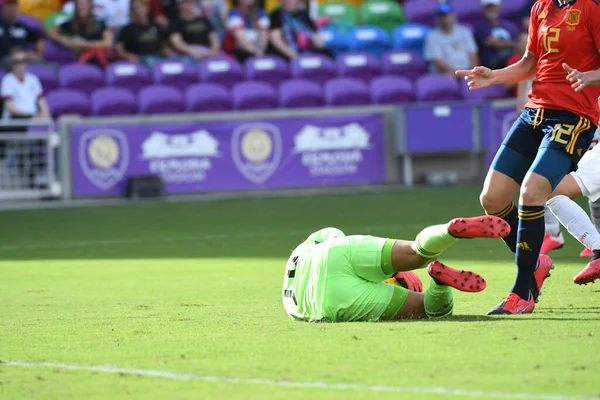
104 156
256 150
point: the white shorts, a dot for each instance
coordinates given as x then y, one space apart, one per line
588 171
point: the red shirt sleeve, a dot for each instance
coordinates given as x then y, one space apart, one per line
532 37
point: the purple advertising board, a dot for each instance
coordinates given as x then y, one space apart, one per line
229 155
501 120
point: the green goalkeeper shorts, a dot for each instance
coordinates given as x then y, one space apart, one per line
354 288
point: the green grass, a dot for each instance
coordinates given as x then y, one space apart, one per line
195 288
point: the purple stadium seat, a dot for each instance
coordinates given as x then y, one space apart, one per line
113 101
84 77
271 69
346 92
68 101
298 93
174 73
403 63
422 11
46 74
467 11
492 92
128 75
54 52
436 87
223 71
204 97
358 65
160 99
391 90
316 67
511 9
254 96
31 22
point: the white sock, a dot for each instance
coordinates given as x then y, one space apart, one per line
595 213
552 223
575 220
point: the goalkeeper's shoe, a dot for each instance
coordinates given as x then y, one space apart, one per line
465 281
487 226
586 253
513 304
408 280
590 273
552 243
542 271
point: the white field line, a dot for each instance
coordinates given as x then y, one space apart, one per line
177 239
442 391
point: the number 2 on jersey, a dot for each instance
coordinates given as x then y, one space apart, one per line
551 36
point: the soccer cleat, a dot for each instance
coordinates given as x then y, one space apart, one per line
586 253
513 304
487 226
542 271
589 274
552 243
465 281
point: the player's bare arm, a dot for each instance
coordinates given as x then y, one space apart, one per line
482 77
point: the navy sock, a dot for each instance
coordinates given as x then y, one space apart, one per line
530 236
509 214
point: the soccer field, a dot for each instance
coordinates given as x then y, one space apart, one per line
183 301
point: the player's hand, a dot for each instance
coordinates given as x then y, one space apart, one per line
409 280
477 78
580 80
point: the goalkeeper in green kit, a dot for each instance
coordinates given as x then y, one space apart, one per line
338 278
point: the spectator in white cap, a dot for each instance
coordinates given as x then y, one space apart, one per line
450 46
493 38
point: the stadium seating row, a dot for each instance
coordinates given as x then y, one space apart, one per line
257 95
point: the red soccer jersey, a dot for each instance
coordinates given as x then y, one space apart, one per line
569 35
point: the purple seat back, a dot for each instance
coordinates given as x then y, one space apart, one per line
54 52
511 9
271 69
254 95
391 90
31 22
68 101
403 63
422 11
467 11
113 101
346 92
84 77
358 65
128 75
174 73
316 67
46 74
205 97
297 93
222 71
160 99
436 87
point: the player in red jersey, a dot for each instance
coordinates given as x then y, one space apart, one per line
549 137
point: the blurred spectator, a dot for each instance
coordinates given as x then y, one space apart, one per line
216 12
522 89
168 8
40 9
525 14
293 32
114 13
21 91
15 34
247 27
193 35
84 34
494 40
450 46
141 40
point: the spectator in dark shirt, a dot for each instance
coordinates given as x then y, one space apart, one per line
141 40
525 13
193 35
14 34
494 40
84 34
247 27
293 32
